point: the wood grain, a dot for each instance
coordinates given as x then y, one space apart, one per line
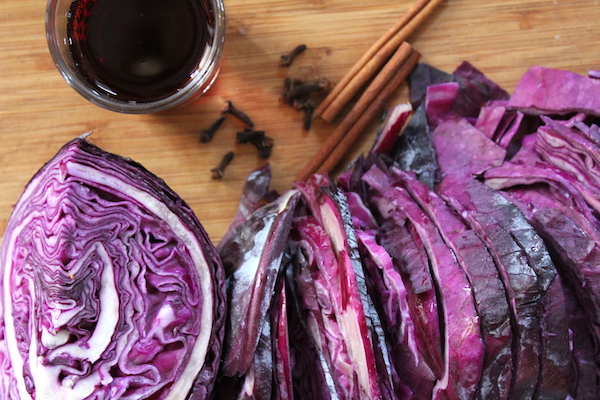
39 112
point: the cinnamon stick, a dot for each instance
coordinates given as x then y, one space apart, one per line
374 58
345 145
406 17
380 84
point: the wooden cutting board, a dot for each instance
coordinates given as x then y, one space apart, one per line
39 112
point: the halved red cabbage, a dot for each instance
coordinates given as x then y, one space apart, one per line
110 286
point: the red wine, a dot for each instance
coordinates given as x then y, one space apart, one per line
138 50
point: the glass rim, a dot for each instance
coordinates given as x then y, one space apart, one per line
201 80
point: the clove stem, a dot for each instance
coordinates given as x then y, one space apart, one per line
208 134
219 170
287 59
239 114
309 110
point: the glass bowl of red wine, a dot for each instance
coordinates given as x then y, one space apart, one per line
137 56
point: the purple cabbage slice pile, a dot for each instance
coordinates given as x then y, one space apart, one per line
110 286
513 171
300 323
460 262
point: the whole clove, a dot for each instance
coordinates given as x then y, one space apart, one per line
288 85
297 93
287 59
305 88
208 134
219 170
237 113
263 143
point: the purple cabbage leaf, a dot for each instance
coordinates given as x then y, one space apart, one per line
252 258
552 91
361 327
